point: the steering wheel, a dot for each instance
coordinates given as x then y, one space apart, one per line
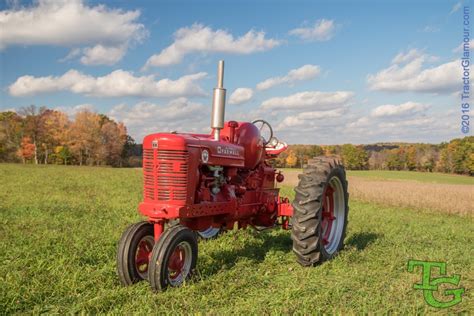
265 129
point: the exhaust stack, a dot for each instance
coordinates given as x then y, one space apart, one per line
218 103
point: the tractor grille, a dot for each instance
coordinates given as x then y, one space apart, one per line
165 174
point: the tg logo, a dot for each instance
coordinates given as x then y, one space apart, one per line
430 286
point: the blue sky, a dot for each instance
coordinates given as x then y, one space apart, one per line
323 72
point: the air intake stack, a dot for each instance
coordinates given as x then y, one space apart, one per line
218 103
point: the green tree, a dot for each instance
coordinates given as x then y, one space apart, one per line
11 133
354 157
395 160
456 156
411 162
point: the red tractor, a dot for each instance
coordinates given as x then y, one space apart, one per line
198 184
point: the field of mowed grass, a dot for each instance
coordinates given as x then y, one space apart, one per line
60 227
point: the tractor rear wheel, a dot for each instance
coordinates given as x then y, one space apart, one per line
173 258
134 250
320 211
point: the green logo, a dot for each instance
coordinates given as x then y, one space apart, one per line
430 285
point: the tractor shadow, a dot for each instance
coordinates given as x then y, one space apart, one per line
361 240
256 250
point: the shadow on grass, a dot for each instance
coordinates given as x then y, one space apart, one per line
257 248
254 250
361 240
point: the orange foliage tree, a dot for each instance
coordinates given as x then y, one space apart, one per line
27 149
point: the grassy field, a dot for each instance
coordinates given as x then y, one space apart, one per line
424 177
428 192
60 226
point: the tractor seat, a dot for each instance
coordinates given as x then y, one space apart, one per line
276 149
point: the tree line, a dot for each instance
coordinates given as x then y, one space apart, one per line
45 136
456 156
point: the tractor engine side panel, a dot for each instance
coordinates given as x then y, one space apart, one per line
222 153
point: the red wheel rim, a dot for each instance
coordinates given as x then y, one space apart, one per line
327 214
179 263
143 254
176 262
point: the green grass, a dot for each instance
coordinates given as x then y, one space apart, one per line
60 226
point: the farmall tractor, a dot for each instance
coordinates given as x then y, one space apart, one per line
196 185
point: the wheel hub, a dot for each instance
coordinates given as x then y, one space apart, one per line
176 262
328 214
333 213
179 263
142 256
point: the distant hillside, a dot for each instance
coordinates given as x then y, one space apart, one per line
457 156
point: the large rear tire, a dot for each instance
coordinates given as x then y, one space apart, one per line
134 250
320 211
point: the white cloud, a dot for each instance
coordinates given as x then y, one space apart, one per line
456 7
430 29
71 111
303 73
241 95
402 122
178 115
469 46
118 83
407 108
103 55
315 100
322 30
73 53
360 122
71 23
305 118
421 121
407 74
383 114
409 56
200 38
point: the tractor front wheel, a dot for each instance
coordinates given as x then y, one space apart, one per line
173 258
134 251
320 211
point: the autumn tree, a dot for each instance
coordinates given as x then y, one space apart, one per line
84 137
113 137
27 149
291 160
53 132
377 160
33 125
